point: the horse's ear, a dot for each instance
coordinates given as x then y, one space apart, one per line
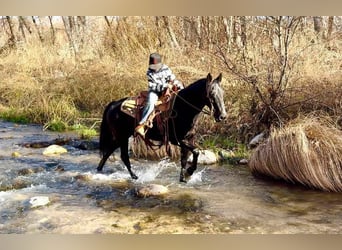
209 78
219 78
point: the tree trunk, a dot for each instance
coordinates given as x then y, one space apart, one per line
68 30
53 31
226 24
34 19
24 24
233 32
330 26
243 32
109 27
157 23
11 41
318 23
21 27
171 33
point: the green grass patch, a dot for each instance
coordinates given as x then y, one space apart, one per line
229 150
56 125
83 131
215 142
16 116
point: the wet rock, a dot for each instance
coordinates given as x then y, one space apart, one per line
59 168
226 154
25 171
189 203
39 201
151 190
84 144
50 165
16 154
206 157
28 171
82 177
88 145
19 183
243 162
257 140
54 150
44 144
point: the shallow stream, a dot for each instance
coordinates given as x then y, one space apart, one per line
218 199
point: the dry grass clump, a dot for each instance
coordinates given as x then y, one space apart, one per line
141 150
308 152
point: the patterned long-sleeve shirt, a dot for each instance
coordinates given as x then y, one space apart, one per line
158 81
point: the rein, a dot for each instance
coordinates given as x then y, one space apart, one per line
193 106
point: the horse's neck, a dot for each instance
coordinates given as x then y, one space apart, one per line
191 101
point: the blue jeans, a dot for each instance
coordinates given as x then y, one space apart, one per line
152 99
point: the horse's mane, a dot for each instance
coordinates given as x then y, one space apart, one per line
193 85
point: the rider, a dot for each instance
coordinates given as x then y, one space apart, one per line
160 77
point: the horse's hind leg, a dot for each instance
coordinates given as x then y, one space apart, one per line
106 155
103 160
125 158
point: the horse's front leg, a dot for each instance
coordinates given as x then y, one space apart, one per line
184 159
125 158
186 148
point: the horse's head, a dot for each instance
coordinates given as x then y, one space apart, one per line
215 95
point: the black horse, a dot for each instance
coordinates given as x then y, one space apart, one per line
117 127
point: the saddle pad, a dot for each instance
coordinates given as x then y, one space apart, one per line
129 106
134 104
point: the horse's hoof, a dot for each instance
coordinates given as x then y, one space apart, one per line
134 177
182 180
99 169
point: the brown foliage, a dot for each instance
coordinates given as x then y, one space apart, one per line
274 68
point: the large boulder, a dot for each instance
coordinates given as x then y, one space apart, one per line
206 157
54 150
39 201
151 190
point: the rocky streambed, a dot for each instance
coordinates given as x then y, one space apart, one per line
63 193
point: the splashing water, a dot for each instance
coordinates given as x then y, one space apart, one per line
197 177
150 172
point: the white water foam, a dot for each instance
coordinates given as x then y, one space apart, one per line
197 177
151 172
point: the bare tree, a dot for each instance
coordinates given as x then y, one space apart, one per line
12 39
68 25
271 87
171 33
330 26
243 32
318 24
35 22
53 31
24 24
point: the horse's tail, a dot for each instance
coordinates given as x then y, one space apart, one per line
106 141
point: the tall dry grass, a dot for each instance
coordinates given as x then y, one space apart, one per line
308 151
46 81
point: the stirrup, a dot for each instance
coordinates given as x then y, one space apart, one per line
140 130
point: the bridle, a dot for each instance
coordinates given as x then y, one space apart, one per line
211 100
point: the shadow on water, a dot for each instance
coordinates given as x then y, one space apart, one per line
217 199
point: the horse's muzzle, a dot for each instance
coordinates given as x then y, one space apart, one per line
220 117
